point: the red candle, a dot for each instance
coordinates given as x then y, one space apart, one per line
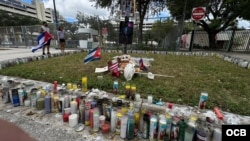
78 100
170 105
55 85
105 128
218 113
65 117
91 115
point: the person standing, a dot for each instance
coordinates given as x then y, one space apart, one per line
45 28
61 38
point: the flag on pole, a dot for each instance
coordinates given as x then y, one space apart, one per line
142 66
93 55
42 40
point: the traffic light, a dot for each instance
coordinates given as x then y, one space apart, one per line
126 32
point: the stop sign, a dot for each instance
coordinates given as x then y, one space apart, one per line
198 13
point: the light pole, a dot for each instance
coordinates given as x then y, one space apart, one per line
55 14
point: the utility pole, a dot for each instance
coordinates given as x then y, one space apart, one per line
55 14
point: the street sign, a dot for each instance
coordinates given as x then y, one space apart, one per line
198 13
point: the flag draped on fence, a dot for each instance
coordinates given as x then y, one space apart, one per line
42 39
93 55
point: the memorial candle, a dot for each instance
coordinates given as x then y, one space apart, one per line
73 120
105 128
73 107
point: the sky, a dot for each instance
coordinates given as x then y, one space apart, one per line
69 8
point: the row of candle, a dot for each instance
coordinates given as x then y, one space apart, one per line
69 105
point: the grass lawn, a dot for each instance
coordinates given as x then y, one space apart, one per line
227 85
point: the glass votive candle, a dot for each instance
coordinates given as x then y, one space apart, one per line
102 120
65 117
105 128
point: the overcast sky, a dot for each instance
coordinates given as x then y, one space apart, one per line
69 8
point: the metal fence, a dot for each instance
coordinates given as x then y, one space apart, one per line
231 40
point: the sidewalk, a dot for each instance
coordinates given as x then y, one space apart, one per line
13 53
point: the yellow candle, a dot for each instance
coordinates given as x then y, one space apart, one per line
137 118
69 86
74 86
127 86
84 84
124 110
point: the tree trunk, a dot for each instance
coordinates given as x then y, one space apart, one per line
140 35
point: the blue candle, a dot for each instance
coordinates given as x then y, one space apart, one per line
47 104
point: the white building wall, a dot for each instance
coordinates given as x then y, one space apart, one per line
35 10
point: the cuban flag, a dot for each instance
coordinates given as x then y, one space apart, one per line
93 55
42 39
142 66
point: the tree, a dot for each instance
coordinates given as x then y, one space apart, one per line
70 30
144 7
244 10
161 28
95 22
220 14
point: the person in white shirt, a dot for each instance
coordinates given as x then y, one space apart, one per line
61 38
45 28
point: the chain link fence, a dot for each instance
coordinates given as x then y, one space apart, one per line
231 40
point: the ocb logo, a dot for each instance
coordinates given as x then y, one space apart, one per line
236 132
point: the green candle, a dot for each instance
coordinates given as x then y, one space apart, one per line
130 128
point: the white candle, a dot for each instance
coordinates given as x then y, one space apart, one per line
66 101
73 107
67 110
27 102
124 121
38 94
73 120
102 120
20 94
150 99
62 104
217 134
137 97
113 120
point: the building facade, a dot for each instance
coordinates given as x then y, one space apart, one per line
35 10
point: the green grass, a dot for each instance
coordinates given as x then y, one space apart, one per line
227 84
